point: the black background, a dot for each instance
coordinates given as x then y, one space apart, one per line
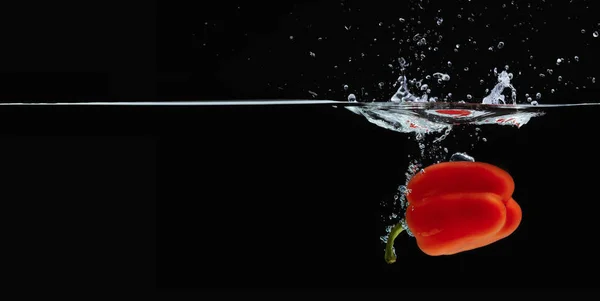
283 196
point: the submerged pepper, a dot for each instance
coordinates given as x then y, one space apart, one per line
458 206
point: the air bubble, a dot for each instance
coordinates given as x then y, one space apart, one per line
461 157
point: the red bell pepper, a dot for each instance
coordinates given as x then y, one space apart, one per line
458 206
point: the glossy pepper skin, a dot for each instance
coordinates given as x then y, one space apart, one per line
460 206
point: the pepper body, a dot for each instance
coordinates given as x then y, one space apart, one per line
460 206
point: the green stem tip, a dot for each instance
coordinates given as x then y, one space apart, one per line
390 254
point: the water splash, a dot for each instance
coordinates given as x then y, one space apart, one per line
496 96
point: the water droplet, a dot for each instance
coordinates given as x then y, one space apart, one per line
595 34
500 45
469 96
352 98
484 140
529 99
593 80
402 20
439 21
542 75
457 46
558 61
549 71
445 150
538 96
380 23
552 91
559 78
291 37
466 69
381 84
312 54
534 103
576 58
345 87
441 76
582 30
449 64
459 16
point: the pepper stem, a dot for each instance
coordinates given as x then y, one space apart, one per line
390 254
